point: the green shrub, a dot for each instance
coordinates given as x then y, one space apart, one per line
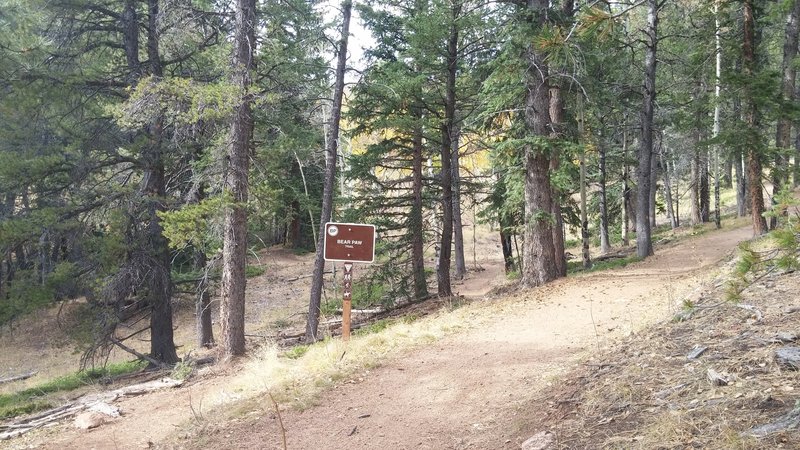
296 352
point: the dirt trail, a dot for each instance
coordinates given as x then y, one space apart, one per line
464 391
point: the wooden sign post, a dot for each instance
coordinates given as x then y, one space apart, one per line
349 243
347 297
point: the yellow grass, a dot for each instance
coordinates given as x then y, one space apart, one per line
299 380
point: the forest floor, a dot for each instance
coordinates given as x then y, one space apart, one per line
489 373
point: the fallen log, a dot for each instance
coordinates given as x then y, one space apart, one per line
620 254
286 280
14 429
14 378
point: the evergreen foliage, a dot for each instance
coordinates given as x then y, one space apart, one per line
116 117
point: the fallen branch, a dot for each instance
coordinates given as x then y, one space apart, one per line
14 429
141 356
608 256
150 386
300 277
364 311
334 326
11 379
280 420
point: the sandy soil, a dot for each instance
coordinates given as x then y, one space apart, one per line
464 391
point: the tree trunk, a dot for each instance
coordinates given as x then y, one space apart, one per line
458 227
559 250
751 118
203 324
694 189
632 199
741 185
130 39
717 112
586 257
295 235
677 195
153 248
44 263
159 290
159 293
783 131
234 250
756 193
312 321
705 193
508 252
538 266
796 176
644 242
626 191
202 306
653 188
727 173
671 215
448 133
557 126
415 218
697 172
605 244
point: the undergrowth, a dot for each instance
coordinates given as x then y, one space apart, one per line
779 251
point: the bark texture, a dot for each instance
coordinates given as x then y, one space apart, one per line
149 256
783 129
626 191
538 252
448 133
237 159
557 126
458 226
644 244
751 118
312 321
605 244
416 220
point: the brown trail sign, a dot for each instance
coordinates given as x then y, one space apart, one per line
348 243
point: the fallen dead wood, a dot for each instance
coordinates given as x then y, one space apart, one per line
334 326
51 416
153 362
363 311
150 386
620 254
14 378
300 277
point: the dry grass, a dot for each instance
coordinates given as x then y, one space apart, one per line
296 378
